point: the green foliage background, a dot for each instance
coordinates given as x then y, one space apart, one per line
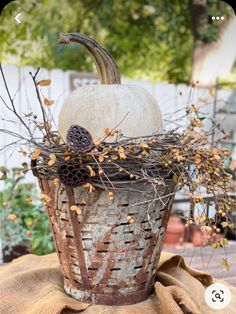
31 216
148 39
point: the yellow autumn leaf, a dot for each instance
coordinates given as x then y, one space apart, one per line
52 160
231 225
108 132
131 221
122 155
200 218
101 158
45 197
121 152
144 145
89 187
179 158
56 181
223 242
92 172
76 209
36 154
113 157
96 141
225 264
57 140
44 82
215 245
48 102
224 224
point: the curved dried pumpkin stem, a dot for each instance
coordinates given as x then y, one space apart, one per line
107 69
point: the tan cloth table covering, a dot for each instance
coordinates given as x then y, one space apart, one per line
34 285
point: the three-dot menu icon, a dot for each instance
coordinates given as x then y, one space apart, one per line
218 18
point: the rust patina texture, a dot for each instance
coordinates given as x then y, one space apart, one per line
104 258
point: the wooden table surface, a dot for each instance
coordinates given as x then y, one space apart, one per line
209 260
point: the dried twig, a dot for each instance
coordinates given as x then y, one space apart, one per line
13 109
44 115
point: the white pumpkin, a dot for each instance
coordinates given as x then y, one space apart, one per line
95 107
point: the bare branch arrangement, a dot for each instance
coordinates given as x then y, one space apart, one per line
185 158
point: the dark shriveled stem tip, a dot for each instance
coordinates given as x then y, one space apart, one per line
107 69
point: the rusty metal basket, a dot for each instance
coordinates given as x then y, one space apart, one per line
104 258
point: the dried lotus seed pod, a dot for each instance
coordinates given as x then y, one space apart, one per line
79 139
72 174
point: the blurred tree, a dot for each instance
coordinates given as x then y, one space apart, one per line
214 40
149 39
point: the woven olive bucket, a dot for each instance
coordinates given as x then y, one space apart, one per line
105 259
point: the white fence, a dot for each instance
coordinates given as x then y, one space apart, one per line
171 98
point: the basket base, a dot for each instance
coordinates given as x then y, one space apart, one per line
109 299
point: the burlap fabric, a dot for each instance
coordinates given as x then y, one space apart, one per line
34 285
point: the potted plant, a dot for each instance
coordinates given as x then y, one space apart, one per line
108 177
24 224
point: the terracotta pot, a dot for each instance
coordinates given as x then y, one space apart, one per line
198 237
175 231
